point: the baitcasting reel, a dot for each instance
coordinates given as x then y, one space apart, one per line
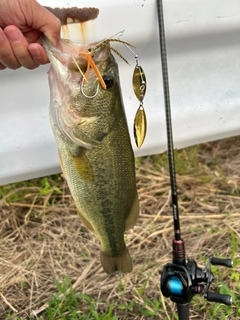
181 282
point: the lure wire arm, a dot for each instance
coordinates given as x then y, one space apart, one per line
181 279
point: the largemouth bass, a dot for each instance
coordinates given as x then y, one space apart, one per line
95 151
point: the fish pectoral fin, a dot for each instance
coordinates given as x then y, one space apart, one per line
120 263
83 166
85 222
133 214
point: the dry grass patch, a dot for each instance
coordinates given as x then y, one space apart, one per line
43 241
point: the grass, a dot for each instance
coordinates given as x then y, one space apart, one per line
49 262
67 304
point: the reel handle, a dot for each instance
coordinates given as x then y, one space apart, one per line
220 298
221 262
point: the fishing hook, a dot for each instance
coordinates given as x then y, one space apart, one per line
85 95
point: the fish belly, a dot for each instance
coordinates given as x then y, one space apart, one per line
102 184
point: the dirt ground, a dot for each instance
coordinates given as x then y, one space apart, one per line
43 240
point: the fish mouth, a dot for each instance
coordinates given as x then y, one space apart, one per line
68 89
75 57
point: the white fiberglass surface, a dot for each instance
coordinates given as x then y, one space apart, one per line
203 50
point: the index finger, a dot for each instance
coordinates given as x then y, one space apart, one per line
43 20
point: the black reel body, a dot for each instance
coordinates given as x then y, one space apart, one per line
180 283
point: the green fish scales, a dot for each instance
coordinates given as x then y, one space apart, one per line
95 151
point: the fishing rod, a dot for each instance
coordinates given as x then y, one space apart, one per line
182 279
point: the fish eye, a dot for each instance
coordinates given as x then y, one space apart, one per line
108 79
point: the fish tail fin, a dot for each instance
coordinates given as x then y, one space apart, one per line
121 263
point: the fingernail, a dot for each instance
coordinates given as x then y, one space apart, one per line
13 35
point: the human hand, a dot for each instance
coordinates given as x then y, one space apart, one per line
21 24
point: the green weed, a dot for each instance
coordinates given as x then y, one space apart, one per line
40 187
185 160
68 305
47 187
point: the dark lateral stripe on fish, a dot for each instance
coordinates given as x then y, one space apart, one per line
75 14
